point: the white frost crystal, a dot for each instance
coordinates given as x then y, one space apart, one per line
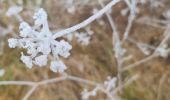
61 48
110 83
40 16
64 48
12 42
39 43
58 66
41 60
26 60
25 29
163 52
83 38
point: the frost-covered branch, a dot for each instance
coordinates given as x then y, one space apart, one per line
87 21
132 6
28 83
29 93
116 44
35 85
161 50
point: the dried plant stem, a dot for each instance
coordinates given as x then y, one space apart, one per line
87 21
154 54
129 81
29 93
160 86
162 80
28 83
34 85
115 39
139 62
132 6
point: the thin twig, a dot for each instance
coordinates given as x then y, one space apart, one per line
139 62
160 86
129 81
52 80
87 21
29 93
28 83
81 80
132 7
115 39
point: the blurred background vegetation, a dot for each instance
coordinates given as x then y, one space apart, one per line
93 62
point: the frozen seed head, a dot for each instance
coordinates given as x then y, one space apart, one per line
40 44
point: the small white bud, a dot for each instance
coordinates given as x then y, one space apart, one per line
12 42
41 60
26 60
58 66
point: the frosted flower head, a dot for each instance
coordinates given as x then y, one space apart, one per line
83 38
25 43
12 42
44 47
39 43
13 10
57 66
40 17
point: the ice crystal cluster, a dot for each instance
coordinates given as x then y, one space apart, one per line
82 37
109 85
40 45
